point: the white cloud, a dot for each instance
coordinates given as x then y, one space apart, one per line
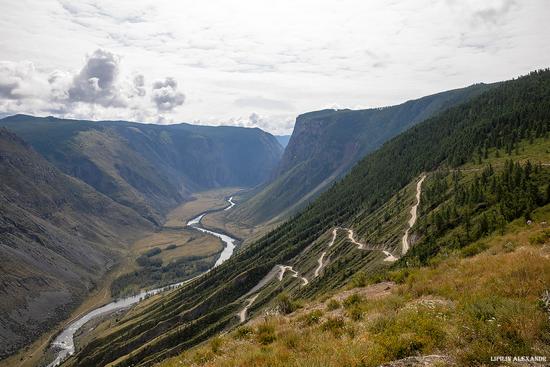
166 96
275 59
97 91
96 83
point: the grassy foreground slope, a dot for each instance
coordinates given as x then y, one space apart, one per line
461 311
502 117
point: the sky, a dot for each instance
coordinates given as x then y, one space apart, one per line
255 63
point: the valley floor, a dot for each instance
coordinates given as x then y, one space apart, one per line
187 243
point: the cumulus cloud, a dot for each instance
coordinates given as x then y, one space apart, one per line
96 82
19 81
275 124
139 85
165 94
99 90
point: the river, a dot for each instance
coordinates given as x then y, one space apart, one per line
63 345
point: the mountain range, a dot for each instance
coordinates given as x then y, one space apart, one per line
378 219
150 168
469 173
75 193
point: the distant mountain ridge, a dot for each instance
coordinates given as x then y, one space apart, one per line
151 168
326 144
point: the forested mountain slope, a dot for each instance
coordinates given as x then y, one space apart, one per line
58 236
151 168
326 144
498 120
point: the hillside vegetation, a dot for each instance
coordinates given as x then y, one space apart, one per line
501 118
480 290
461 311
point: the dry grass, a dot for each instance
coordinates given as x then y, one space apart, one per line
467 306
188 243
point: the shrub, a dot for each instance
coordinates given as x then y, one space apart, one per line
243 332
265 333
290 339
312 318
152 252
285 304
355 313
473 249
407 345
334 325
540 238
352 300
359 279
399 276
333 305
145 261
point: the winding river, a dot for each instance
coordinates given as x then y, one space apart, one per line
63 345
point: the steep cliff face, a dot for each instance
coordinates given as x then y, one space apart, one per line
151 168
326 144
58 236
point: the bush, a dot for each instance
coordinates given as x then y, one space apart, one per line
152 252
243 332
352 300
285 304
355 313
333 305
265 333
145 261
399 276
312 318
334 324
290 339
359 279
473 249
540 238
